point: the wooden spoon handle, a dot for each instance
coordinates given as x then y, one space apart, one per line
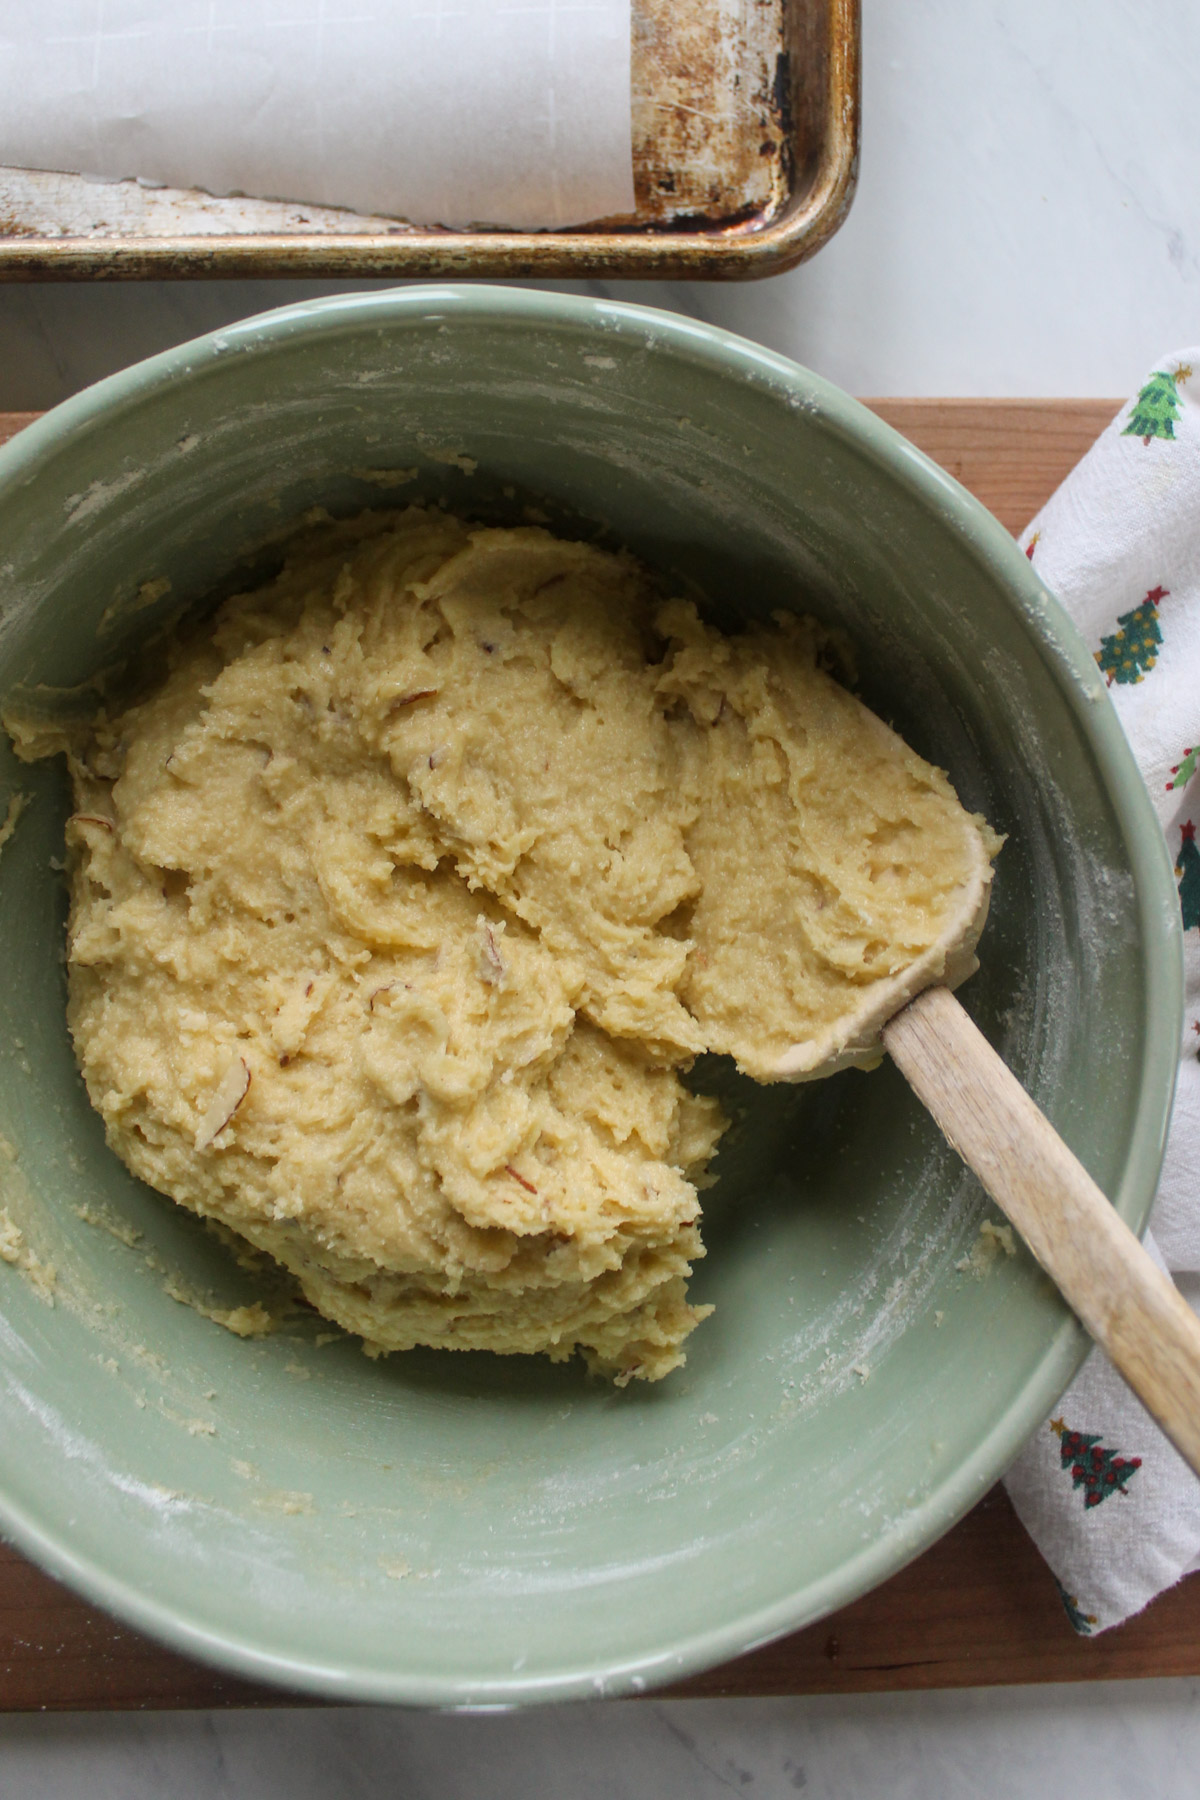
1127 1303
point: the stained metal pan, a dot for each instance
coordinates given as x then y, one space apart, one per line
745 150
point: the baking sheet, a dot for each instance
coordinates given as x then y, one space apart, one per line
745 158
451 112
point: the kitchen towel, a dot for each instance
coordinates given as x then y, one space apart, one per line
449 112
1112 1507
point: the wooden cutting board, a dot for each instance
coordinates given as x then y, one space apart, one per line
979 1608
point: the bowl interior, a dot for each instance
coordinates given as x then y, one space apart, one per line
467 1529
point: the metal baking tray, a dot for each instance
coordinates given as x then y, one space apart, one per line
745 154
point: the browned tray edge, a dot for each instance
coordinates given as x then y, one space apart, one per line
740 252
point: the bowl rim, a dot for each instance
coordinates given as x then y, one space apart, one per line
1084 692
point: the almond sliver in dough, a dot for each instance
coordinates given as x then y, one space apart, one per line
427 872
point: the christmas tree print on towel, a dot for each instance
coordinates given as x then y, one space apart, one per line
1099 1472
1182 772
1187 868
1082 1621
1157 406
1132 650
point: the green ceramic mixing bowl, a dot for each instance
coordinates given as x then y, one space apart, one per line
468 1530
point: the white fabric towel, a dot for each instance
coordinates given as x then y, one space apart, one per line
1112 1507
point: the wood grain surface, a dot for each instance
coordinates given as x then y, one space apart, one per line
11 423
977 1609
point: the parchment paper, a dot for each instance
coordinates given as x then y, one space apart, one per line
454 112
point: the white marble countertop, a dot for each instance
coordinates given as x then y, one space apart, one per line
1027 222
1108 1742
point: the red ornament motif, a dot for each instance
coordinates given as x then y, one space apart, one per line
1098 1471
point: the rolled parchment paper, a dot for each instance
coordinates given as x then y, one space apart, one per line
451 112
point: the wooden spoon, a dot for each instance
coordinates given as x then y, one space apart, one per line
1130 1307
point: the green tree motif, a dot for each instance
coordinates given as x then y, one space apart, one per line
1132 650
1187 868
1157 406
1099 1472
1182 772
1082 1621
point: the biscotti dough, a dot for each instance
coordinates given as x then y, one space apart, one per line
402 904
